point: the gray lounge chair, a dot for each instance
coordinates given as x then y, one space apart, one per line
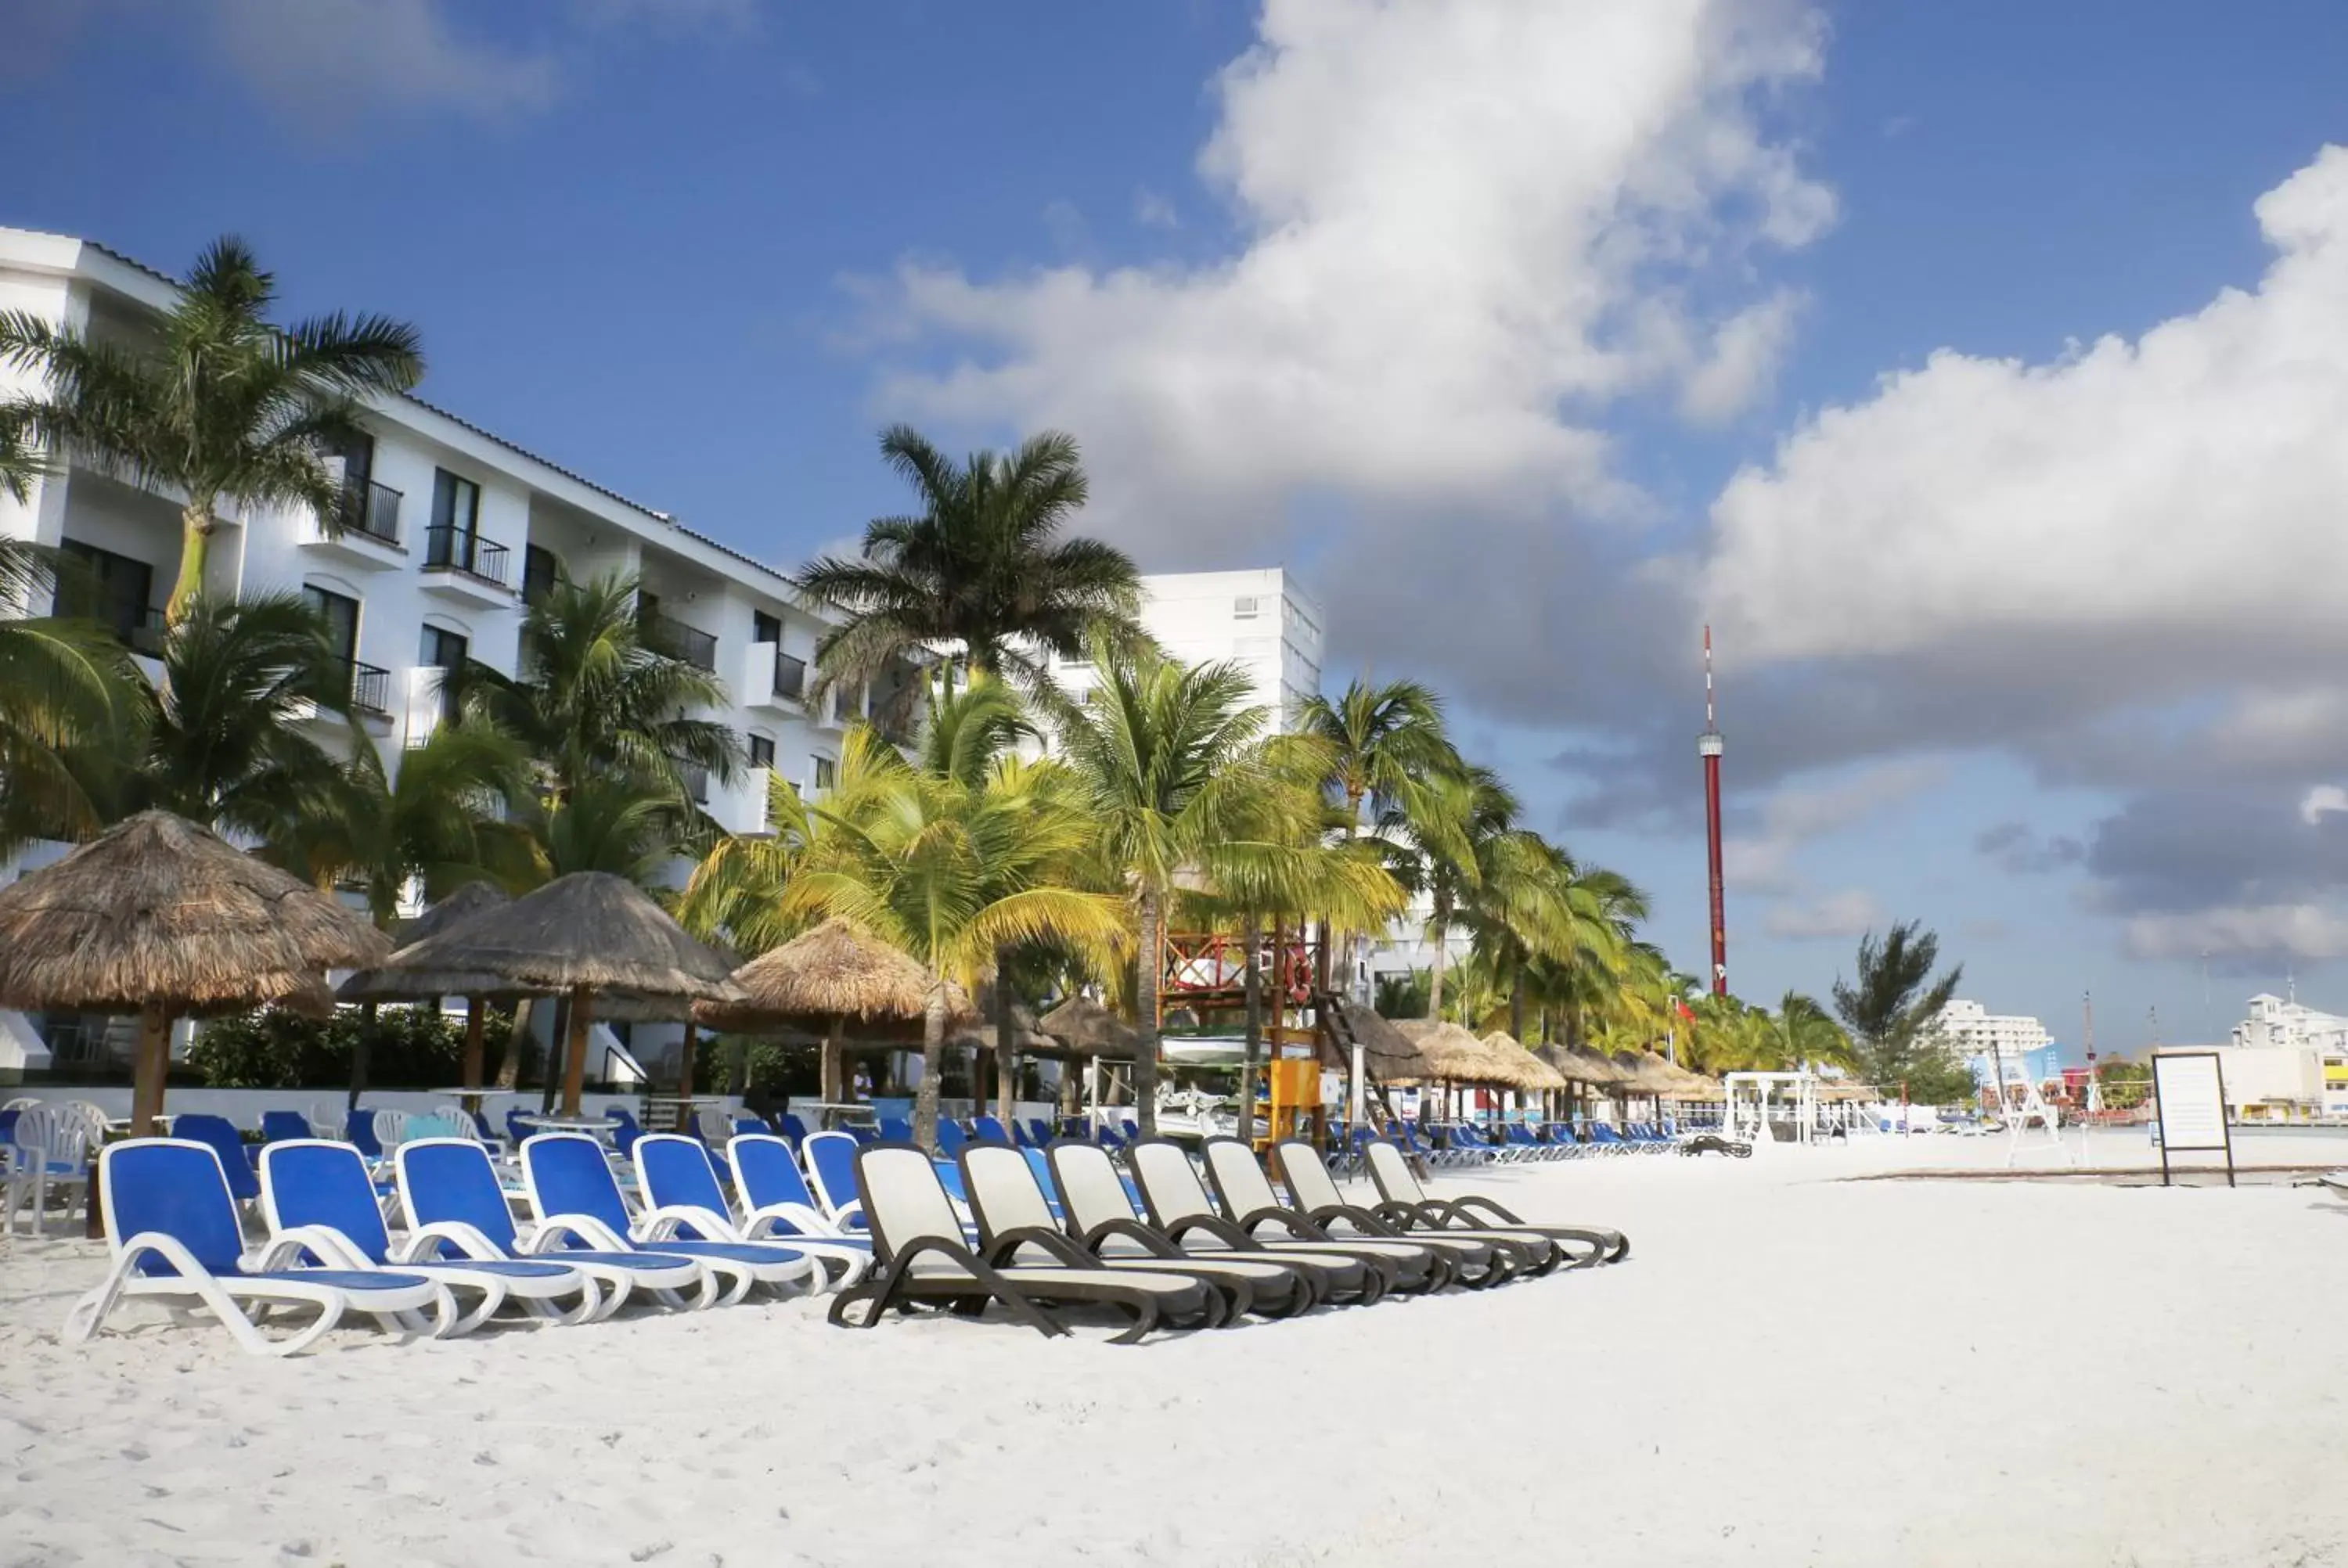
1178 1205
924 1257
1404 1201
1247 1197
1316 1196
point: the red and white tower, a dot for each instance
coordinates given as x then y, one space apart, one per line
1708 746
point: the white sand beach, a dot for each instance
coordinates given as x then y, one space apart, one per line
1792 1368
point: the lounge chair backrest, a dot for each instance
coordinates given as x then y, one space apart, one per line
516 1128
1039 1131
1169 1185
626 1127
793 1128
200 1127
831 1169
1392 1174
1001 1190
950 1138
277 1126
896 1130
174 1186
1090 1189
989 1129
746 1122
903 1200
451 1179
675 1171
1308 1180
568 1173
1239 1178
315 1181
766 1171
358 1128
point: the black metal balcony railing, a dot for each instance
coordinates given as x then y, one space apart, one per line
790 676
678 641
454 550
371 509
697 782
370 687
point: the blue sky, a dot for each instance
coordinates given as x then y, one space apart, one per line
1533 337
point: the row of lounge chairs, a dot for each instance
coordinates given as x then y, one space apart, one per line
884 1225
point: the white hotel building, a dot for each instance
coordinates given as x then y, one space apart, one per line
449 530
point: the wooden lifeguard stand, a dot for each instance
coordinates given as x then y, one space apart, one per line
1206 973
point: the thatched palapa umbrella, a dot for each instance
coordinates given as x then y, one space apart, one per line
579 936
830 979
163 918
370 986
1085 1029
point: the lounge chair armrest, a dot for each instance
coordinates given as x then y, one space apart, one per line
1473 1206
167 1246
1005 1248
791 1219
1359 1217
1151 1242
1396 1212
554 1229
325 1248
424 1243
1215 1226
1289 1220
660 1224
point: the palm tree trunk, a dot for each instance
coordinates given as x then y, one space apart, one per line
196 527
517 1039
1252 935
1442 952
933 1051
1005 1082
150 1066
1148 966
1517 1004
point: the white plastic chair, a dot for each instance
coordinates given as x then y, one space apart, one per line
53 1144
391 1130
460 1123
716 1126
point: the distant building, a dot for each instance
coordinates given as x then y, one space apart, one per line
1263 620
2290 1059
1973 1031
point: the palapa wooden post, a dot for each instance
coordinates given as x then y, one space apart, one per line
476 1032
575 1053
828 1082
150 1070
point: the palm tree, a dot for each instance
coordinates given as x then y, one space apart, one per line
979 569
1806 1032
736 892
21 462
1477 812
596 698
227 407
952 874
68 695
1177 782
437 824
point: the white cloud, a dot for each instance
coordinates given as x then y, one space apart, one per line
1794 815
1467 228
2132 509
2323 801
2289 930
1153 210
1852 912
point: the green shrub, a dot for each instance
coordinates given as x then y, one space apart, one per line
407 1048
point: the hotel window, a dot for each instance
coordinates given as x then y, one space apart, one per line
827 774
456 505
765 627
442 649
341 614
1244 607
762 752
542 568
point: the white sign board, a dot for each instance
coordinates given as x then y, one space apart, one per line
2190 1097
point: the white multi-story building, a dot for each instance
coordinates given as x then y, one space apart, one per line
447 532
1975 1031
2287 1057
1262 621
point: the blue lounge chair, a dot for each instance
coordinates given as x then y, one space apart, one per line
172 1234
358 1131
625 1129
775 1193
572 1191
795 1129
678 1178
450 1194
1039 1132
516 1128
280 1126
950 1139
220 1133
989 1130
318 1193
894 1130
831 1159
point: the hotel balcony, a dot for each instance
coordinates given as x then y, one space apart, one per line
366 534
673 637
773 678
467 567
369 691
